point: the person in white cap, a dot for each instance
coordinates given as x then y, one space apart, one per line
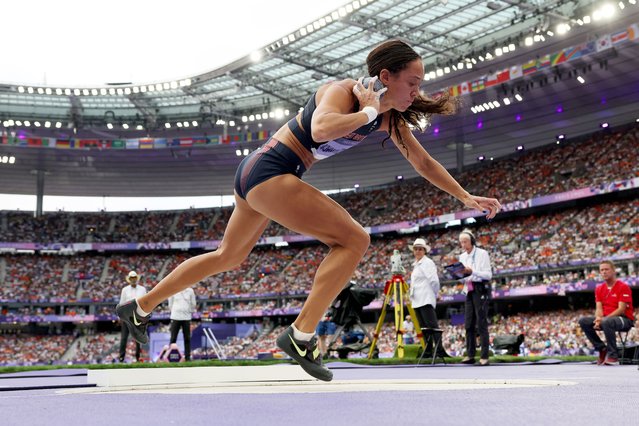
424 286
130 292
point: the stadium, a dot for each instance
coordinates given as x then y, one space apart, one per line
547 122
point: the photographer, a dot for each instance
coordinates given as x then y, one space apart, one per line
477 283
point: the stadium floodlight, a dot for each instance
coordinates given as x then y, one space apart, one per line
37 124
58 125
186 124
481 158
20 89
127 90
498 51
232 123
125 126
167 125
511 47
520 147
581 79
94 92
251 117
246 152
85 92
194 123
178 124
506 101
12 159
29 90
47 124
518 97
48 91
604 125
58 91
528 41
621 5
238 152
356 186
40 91
27 123
244 119
139 127
109 126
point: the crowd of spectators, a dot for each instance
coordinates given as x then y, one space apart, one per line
543 242
595 162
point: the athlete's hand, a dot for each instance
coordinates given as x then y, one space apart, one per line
490 206
367 96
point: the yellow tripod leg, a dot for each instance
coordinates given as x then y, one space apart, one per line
399 316
380 322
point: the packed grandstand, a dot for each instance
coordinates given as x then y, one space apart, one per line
568 206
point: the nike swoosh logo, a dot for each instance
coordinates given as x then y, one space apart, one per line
297 348
316 352
135 320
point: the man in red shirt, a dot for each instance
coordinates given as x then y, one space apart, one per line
613 313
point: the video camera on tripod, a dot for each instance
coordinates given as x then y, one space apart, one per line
345 313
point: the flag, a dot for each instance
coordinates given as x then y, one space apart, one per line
633 32
199 141
215 139
186 142
105 144
617 38
491 80
88 143
453 90
146 143
557 58
263 134
604 43
159 143
34 142
63 144
544 62
464 88
226 139
503 76
477 85
515 72
132 144
118 144
529 67
50 142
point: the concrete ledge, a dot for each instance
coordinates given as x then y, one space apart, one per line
195 375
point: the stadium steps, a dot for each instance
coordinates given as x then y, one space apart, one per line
105 270
3 269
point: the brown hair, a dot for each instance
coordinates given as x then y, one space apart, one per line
609 263
395 55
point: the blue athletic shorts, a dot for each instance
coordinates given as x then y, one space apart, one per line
271 159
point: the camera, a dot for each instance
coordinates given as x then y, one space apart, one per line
396 263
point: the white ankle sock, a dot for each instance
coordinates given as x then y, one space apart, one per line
139 310
300 335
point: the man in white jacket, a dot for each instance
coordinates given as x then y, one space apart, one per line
182 306
424 287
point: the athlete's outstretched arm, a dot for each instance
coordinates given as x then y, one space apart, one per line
436 174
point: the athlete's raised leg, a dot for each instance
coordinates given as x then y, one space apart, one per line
242 232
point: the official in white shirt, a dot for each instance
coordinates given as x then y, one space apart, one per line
130 292
182 306
478 289
424 285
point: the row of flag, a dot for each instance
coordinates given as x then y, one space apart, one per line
142 143
546 61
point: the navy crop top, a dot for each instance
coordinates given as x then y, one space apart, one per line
327 149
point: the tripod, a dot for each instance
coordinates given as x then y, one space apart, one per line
396 291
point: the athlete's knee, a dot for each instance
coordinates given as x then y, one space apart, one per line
228 257
355 238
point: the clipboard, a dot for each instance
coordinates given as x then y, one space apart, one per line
456 270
